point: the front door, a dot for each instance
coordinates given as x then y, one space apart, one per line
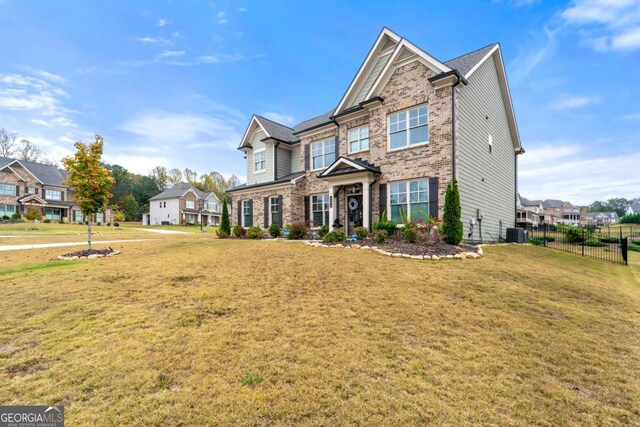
354 212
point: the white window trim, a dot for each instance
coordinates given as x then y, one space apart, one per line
408 182
186 204
270 212
315 227
246 201
359 139
408 146
323 140
265 161
46 190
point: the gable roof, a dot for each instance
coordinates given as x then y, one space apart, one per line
46 174
551 203
465 63
276 130
526 202
179 190
635 207
344 165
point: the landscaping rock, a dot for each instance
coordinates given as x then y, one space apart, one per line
435 257
434 234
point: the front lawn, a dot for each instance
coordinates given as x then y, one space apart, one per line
200 331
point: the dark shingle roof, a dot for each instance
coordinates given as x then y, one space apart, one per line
550 203
316 121
466 62
635 207
47 174
178 190
284 179
526 202
276 130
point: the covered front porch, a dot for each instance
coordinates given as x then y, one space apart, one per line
351 181
51 210
196 217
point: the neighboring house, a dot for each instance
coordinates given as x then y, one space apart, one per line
530 213
599 219
557 212
35 186
406 126
633 208
184 204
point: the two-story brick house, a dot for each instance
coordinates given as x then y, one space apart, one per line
184 204
406 126
28 185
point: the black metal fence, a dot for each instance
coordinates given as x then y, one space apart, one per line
605 245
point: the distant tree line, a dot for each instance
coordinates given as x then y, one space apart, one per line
618 205
22 149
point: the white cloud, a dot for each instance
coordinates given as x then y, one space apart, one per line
136 164
568 102
185 129
40 122
568 171
222 18
532 54
606 24
280 118
242 9
171 53
152 40
65 138
163 22
51 77
217 58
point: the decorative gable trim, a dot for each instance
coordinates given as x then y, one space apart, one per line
14 172
244 143
33 196
25 168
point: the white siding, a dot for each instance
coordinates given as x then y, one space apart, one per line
296 158
158 214
257 144
487 180
284 162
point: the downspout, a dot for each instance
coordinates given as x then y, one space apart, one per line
453 126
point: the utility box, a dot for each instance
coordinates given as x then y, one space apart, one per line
517 235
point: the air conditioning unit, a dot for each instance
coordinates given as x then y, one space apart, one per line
517 235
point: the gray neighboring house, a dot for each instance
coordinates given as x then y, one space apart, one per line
406 126
183 204
599 219
633 208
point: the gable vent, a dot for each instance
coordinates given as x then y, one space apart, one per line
405 54
388 45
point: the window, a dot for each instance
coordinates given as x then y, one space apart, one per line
274 209
359 139
53 194
7 190
53 214
260 161
323 153
31 190
7 210
78 216
320 209
190 204
247 220
165 204
99 218
409 199
212 207
417 131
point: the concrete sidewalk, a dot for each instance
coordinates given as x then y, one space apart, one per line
61 245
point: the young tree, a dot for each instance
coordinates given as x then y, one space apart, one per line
225 224
451 224
90 181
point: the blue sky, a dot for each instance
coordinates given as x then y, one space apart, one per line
175 83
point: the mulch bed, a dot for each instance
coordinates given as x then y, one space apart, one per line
94 253
439 249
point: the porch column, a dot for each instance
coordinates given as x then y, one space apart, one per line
332 207
366 208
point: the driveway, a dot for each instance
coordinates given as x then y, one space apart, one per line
161 231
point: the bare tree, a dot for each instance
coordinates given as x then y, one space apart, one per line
7 143
29 152
174 176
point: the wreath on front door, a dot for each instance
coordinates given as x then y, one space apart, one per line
353 204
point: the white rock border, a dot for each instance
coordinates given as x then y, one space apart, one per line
461 255
92 256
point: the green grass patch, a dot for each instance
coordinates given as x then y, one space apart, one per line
635 248
30 268
252 380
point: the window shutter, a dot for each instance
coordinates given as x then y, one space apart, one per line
337 152
250 213
382 203
26 189
307 157
17 191
433 196
307 209
62 196
279 216
336 199
37 189
266 212
239 212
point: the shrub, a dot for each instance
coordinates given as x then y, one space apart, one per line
254 232
536 241
47 221
15 216
385 224
634 248
630 219
118 216
297 231
61 221
32 214
98 223
322 231
225 224
636 242
609 240
5 217
222 234
573 234
334 236
274 230
379 236
595 243
410 232
361 232
116 224
451 224
238 231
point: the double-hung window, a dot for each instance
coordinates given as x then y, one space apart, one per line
409 200
7 190
320 209
247 220
7 210
274 209
260 161
323 153
52 194
78 217
31 190
359 139
212 207
190 204
409 127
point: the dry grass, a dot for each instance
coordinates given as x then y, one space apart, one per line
195 331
